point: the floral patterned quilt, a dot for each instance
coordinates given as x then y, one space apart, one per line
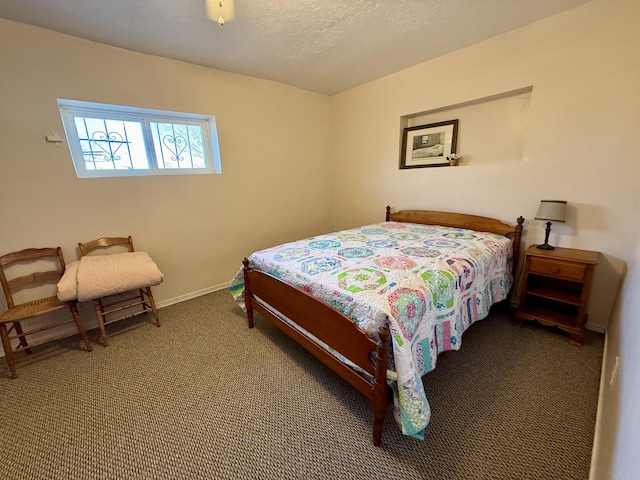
429 283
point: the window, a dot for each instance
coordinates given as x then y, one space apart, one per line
113 140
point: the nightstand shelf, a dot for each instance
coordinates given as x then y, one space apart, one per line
554 294
555 288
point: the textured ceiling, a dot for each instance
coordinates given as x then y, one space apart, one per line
322 46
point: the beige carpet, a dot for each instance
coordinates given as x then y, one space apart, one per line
204 397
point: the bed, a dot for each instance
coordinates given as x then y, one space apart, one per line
424 152
377 304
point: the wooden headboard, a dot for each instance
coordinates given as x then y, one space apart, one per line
462 220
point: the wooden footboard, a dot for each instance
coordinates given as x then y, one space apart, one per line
274 299
331 327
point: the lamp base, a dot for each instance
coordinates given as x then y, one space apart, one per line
545 245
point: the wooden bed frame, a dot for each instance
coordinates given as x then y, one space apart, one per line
339 331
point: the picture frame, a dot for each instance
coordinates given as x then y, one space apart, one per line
428 145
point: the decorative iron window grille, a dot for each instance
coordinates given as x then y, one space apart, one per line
101 149
113 140
178 146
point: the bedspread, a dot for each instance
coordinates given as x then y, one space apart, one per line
102 275
429 283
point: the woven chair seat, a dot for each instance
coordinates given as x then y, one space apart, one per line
29 309
15 314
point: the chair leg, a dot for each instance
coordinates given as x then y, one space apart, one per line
144 303
153 306
8 351
76 318
23 338
100 317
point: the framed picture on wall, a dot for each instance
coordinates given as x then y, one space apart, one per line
428 145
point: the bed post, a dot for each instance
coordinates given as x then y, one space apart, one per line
517 238
380 393
247 292
388 213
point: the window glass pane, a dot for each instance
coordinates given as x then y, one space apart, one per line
111 144
118 140
178 146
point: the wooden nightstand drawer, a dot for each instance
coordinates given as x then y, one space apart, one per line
571 271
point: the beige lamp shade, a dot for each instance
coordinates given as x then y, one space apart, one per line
552 210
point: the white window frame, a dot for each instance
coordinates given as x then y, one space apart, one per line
71 108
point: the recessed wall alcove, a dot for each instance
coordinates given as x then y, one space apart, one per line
491 130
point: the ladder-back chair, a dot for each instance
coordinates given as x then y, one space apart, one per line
140 299
11 321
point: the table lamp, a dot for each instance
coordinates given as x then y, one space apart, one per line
552 211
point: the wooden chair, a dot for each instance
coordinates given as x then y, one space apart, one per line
17 313
141 297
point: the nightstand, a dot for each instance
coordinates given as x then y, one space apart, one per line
555 288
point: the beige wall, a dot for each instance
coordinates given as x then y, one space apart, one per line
481 147
273 142
583 67
618 428
580 144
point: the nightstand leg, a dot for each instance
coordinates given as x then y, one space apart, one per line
576 339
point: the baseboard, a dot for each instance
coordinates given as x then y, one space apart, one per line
90 323
595 328
189 296
595 449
